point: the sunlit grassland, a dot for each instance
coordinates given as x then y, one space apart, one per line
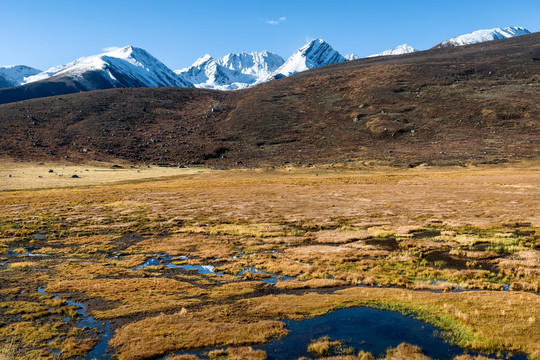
379 237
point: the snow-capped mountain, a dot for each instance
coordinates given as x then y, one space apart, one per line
258 64
123 67
14 75
231 72
398 50
314 54
241 71
352 57
485 35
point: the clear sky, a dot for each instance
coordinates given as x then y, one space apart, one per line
45 33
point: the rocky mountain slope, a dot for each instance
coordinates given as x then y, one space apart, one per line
454 105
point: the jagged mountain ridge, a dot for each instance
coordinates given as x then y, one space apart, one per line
240 71
231 72
133 67
314 54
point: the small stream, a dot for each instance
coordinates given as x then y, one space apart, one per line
163 259
167 260
87 321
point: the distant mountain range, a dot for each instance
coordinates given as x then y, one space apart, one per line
485 35
15 75
398 50
134 67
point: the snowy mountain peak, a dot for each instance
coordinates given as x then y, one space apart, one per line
15 75
485 35
202 60
398 50
313 54
232 71
121 67
259 64
351 57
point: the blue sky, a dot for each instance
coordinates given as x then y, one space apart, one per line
45 33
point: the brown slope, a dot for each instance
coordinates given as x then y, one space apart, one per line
476 103
161 125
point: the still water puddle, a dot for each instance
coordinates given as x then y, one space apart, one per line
364 329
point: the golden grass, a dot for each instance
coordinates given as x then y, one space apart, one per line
134 295
330 229
322 346
8 350
182 357
32 176
72 347
28 333
241 353
310 284
405 351
157 335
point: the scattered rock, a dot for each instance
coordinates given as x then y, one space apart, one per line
75 176
8 175
51 170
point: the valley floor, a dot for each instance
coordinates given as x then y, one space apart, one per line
139 263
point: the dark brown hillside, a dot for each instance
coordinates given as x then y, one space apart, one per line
476 103
135 125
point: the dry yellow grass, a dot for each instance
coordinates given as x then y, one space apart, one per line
241 353
327 228
157 335
21 175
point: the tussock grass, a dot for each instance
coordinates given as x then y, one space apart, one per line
157 335
323 346
241 353
8 350
424 229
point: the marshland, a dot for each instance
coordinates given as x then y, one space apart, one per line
221 264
